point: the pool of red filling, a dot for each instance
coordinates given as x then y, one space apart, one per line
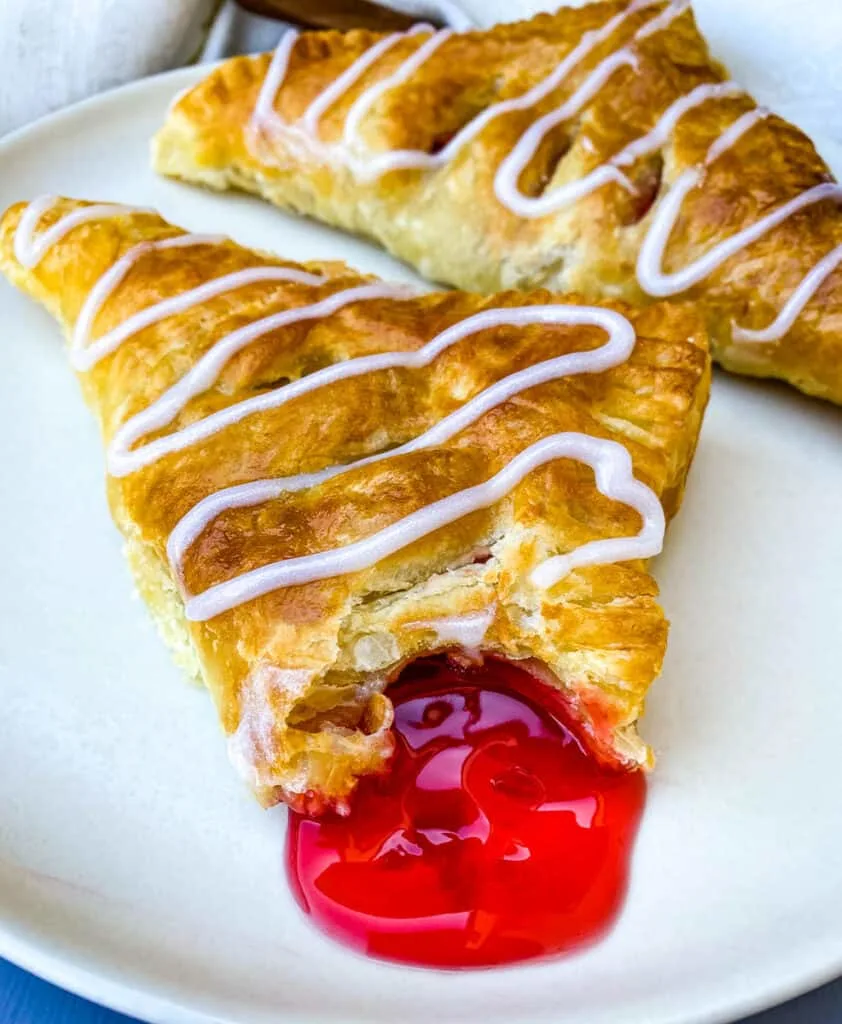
494 837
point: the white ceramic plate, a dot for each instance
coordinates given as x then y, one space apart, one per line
134 868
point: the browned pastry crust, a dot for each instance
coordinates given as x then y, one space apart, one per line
317 657
449 223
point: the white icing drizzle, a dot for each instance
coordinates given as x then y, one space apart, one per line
306 128
660 133
653 279
264 114
304 131
616 350
795 304
85 354
309 121
734 132
664 19
29 250
515 163
613 470
610 461
650 274
372 166
656 282
508 175
123 459
509 172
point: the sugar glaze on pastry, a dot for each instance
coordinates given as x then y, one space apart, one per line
610 461
265 120
651 278
613 472
534 430
633 92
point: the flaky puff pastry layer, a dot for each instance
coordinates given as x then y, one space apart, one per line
449 222
299 675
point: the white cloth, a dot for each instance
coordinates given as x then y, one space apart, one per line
54 52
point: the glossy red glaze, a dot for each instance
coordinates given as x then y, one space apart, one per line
493 838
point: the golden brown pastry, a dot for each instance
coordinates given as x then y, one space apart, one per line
597 150
266 423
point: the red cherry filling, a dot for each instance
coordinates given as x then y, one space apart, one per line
493 838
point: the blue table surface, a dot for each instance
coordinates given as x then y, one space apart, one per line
25 999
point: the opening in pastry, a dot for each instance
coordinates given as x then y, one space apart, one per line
343 725
647 181
463 112
440 141
541 171
271 385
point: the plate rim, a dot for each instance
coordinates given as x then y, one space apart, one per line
59 966
22 133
